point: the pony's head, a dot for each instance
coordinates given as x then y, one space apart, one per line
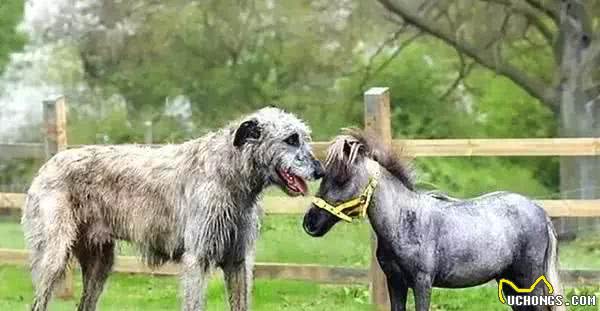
352 169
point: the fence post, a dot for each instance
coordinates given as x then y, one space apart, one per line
55 128
377 121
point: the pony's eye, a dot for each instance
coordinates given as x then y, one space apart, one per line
293 140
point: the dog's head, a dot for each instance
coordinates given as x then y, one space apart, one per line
279 143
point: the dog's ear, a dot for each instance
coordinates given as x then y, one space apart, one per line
248 130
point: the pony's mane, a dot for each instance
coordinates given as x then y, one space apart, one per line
345 148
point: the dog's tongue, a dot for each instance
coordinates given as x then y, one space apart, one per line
300 184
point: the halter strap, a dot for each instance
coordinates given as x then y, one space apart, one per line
357 207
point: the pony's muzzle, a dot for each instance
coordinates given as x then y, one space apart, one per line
309 225
318 222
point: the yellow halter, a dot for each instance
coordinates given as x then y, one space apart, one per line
357 207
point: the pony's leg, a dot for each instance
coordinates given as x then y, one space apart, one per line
238 278
508 291
527 273
194 278
96 261
397 286
523 281
397 290
422 291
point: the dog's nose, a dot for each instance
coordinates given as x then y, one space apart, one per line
319 170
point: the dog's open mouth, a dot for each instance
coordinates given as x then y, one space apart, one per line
293 183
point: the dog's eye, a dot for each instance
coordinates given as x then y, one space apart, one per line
293 140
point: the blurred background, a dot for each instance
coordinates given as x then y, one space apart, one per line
179 68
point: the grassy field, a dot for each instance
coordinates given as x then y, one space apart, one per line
128 292
282 240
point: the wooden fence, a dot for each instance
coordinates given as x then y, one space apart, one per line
377 121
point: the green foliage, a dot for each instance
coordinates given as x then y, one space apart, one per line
11 12
485 105
506 111
18 173
229 59
474 176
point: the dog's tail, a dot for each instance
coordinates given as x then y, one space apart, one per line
551 264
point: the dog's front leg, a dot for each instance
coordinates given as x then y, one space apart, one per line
194 278
238 279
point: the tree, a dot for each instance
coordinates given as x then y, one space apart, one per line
549 48
226 57
11 12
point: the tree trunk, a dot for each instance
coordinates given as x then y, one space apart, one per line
579 176
579 114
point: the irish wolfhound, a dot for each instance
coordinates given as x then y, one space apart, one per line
194 203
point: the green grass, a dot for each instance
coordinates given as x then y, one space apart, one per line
581 253
128 292
283 240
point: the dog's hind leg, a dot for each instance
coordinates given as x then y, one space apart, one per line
238 280
194 278
57 231
96 262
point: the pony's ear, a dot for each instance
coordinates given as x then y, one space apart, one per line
247 131
352 150
347 148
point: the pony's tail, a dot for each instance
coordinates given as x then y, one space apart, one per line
551 264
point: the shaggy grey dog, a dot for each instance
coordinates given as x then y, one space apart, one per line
194 203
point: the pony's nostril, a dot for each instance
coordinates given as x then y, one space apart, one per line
309 224
308 227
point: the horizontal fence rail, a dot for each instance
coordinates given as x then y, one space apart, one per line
21 151
286 205
378 122
416 147
498 147
298 272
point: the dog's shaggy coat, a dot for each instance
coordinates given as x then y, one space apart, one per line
194 203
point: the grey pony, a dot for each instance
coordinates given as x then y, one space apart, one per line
195 203
425 240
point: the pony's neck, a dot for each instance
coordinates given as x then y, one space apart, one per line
390 199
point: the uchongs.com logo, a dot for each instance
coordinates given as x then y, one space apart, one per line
540 300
